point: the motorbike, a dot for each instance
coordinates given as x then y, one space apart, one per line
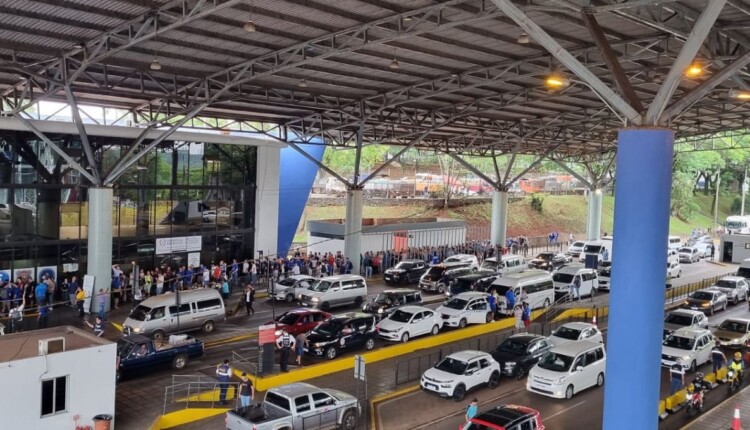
734 380
694 405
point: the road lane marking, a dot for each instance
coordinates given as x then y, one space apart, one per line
549 417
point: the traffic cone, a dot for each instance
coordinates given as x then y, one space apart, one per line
736 421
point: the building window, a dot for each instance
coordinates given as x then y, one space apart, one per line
54 396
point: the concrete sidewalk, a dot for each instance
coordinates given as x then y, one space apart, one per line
721 416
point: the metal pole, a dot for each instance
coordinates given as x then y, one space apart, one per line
716 199
744 191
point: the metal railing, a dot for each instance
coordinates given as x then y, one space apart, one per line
248 365
677 294
183 387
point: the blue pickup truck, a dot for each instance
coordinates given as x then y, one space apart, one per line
137 353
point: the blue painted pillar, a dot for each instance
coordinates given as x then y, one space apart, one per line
642 192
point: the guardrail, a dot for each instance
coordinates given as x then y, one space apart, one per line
677 294
245 364
200 390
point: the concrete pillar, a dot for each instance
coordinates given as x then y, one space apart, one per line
636 314
594 221
99 257
499 223
267 201
353 227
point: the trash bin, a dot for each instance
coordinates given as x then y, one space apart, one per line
102 422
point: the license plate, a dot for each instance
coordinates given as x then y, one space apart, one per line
430 386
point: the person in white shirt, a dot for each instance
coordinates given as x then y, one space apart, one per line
295 270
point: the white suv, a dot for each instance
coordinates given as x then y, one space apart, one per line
689 347
466 308
291 288
735 287
680 318
458 373
568 369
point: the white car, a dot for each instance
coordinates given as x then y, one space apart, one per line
458 373
605 275
689 347
576 248
674 270
680 318
290 288
568 369
466 308
575 331
471 260
409 321
672 256
735 287
689 254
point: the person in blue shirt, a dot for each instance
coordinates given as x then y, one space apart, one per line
492 303
472 409
225 289
40 293
510 301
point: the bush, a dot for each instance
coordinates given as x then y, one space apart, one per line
537 203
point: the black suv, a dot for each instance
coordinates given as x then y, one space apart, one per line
342 332
433 279
520 352
480 282
548 261
405 272
390 300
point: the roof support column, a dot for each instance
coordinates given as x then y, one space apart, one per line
99 256
642 192
594 221
353 227
499 222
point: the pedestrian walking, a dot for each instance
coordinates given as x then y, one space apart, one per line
249 299
472 409
225 289
102 300
510 301
526 316
98 327
224 375
285 343
713 251
72 291
247 391
717 357
493 304
80 299
576 288
676 378
518 315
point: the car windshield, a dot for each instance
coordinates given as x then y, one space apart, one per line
680 342
562 277
287 318
435 271
578 244
544 256
321 286
456 303
736 224
592 249
567 333
723 283
403 266
451 365
454 259
401 316
702 295
677 319
465 283
490 265
385 299
287 282
605 264
686 250
512 346
744 272
140 313
556 362
735 326
328 328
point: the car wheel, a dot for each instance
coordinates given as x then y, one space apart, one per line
459 392
600 380
325 306
712 311
349 421
158 335
435 329
462 323
370 344
289 298
569 392
520 372
736 299
179 362
331 353
693 366
405 337
494 380
546 303
208 327
725 306
441 289
358 302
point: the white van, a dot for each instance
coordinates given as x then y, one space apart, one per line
744 269
334 291
157 316
568 369
466 308
598 248
537 284
563 278
674 242
508 264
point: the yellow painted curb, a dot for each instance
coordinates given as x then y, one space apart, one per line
384 397
211 344
586 312
185 416
117 326
207 396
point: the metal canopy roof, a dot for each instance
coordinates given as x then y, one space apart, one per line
323 68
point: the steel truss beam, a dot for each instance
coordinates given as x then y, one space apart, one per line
85 143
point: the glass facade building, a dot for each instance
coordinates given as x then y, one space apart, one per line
177 189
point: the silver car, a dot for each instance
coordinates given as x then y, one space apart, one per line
735 287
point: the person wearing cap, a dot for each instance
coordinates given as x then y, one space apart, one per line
224 375
247 391
285 343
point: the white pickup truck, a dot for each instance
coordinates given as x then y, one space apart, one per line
298 406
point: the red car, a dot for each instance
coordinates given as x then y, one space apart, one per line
299 321
506 417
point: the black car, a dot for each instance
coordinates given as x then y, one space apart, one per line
389 300
548 261
479 281
405 272
520 352
439 276
349 331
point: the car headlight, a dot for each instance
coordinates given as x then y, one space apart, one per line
277 332
380 311
315 299
137 330
736 340
559 380
686 358
446 385
705 305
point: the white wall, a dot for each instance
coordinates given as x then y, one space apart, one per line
384 241
91 388
740 252
267 200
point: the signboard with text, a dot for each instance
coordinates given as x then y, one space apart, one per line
170 245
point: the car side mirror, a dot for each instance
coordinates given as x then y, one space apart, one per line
470 372
579 369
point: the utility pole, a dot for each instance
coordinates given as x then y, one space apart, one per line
716 200
743 191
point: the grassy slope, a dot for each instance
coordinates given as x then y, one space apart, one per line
560 213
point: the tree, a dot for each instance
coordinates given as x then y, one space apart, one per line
448 170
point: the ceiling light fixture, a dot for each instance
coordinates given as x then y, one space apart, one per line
695 69
556 81
739 94
249 26
302 83
523 39
155 65
394 64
